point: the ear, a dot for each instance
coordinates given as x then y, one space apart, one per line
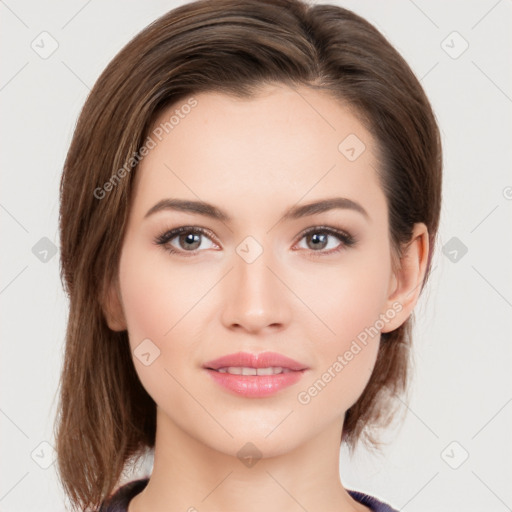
113 308
406 281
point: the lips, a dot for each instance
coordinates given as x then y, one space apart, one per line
247 360
255 375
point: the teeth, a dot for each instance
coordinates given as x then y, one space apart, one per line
244 370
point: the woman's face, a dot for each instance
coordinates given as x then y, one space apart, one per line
266 274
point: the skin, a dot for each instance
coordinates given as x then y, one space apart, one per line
254 159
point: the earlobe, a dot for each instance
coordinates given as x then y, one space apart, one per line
407 280
112 307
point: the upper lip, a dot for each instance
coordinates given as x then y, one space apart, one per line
262 360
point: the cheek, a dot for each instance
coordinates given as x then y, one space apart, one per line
350 299
144 297
155 303
344 297
157 295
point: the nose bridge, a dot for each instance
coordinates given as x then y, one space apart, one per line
254 298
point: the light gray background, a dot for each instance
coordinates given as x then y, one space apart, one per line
461 398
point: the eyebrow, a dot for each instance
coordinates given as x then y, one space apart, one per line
295 212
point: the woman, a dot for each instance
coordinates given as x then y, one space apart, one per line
248 212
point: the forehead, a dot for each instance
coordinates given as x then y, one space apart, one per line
299 141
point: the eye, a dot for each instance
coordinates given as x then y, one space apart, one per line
185 239
190 239
317 239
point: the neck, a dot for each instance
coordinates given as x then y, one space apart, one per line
191 476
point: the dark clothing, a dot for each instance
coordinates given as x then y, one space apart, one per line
119 501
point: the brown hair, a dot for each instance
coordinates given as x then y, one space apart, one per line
105 416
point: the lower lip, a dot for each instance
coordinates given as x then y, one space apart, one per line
256 386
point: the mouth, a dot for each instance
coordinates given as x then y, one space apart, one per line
250 384
268 362
247 370
255 375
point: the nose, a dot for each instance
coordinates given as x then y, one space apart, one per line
254 297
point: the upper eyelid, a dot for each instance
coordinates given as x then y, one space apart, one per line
185 229
328 229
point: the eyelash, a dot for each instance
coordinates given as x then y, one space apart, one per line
164 239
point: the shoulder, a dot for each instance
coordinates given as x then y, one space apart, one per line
118 502
372 503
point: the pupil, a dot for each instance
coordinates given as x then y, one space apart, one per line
192 238
319 238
